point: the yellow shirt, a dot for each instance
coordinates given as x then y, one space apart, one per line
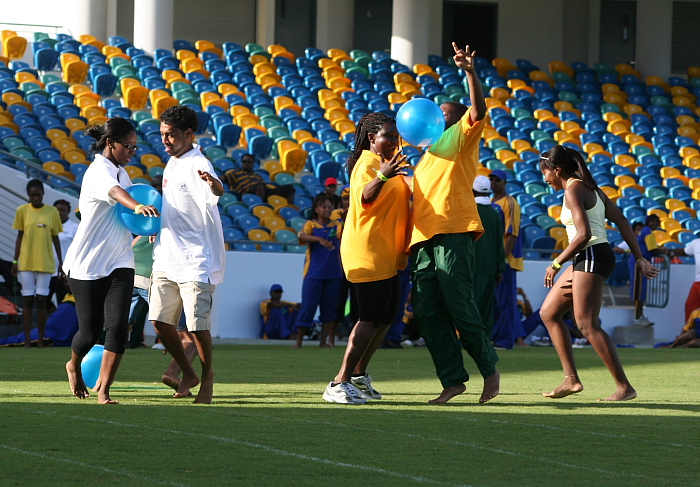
39 225
375 236
443 201
511 217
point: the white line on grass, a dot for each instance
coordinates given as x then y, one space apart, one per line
92 467
249 444
443 440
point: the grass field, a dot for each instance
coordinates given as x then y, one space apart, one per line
269 426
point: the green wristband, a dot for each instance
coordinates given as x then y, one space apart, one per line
555 264
137 208
381 176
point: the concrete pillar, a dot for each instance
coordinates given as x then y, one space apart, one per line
435 29
153 24
89 17
111 18
335 21
654 38
265 23
410 31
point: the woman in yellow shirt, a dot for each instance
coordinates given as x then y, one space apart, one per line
373 250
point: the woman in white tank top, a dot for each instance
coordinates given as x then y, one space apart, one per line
580 286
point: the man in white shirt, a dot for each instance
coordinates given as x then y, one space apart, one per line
693 301
58 284
189 253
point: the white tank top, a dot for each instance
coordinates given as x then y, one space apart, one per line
596 220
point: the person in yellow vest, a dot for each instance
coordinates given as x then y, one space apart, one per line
38 226
446 224
373 250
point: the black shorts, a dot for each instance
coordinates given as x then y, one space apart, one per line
378 301
598 259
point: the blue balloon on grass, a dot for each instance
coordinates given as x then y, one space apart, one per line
420 122
140 224
91 365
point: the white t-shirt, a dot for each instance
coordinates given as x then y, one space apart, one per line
190 244
66 238
693 250
102 243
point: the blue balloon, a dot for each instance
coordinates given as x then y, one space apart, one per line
140 224
420 122
91 365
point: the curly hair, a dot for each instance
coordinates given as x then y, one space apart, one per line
318 201
181 117
370 123
569 160
115 128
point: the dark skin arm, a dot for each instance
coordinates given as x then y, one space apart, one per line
18 245
509 243
464 59
305 237
389 169
118 194
57 246
215 185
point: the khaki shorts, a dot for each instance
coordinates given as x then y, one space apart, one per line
168 299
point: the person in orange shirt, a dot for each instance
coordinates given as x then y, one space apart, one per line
373 250
446 225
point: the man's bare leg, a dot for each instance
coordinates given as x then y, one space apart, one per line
301 333
28 302
171 376
108 371
171 340
492 386
204 348
448 393
331 336
325 332
75 377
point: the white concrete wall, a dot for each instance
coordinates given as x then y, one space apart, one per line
249 276
334 24
265 23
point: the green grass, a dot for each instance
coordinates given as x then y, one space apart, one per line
269 426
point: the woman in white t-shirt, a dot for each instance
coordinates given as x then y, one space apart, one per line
100 263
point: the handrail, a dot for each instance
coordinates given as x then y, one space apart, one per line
34 166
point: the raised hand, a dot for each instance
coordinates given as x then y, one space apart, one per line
205 176
393 167
464 58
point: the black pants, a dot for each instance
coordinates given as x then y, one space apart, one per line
103 303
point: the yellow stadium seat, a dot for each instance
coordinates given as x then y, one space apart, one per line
558 233
74 156
692 162
563 106
13 46
150 160
669 225
273 222
673 204
133 171
277 201
272 167
344 127
667 172
54 167
624 180
162 104
262 211
75 72
136 97
207 46
236 110
662 237
74 124
258 235
292 156
554 211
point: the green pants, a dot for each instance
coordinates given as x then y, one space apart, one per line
443 303
485 299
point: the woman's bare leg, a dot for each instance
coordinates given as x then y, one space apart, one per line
558 301
108 371
358 343
588 299
379 334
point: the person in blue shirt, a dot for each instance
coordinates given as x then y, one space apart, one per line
323 272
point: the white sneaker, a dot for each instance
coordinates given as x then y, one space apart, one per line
364 384
643 321
158 346
343 393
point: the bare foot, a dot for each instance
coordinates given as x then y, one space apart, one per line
170 381
492 386
571 385
296 345
206 390
185 385
324 345
520 342
75 379
98 385
623 394
448 393
105 399
27 345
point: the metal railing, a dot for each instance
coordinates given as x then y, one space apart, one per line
658 289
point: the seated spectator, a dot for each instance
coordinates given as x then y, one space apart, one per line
59 286
690 335
276 316
247 181
331 189
60 327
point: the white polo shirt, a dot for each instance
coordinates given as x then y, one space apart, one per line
102 243
190 244
65 238
693 250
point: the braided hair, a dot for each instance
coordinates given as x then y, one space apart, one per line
370 123
569 160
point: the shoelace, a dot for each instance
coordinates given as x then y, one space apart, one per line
350 389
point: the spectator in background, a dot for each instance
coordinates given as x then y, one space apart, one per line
690 335
346 287
247 181
38 226
491 262
395 333
59 285
277 316
507 329
322 271
693 301
331 191
649 248
622 247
